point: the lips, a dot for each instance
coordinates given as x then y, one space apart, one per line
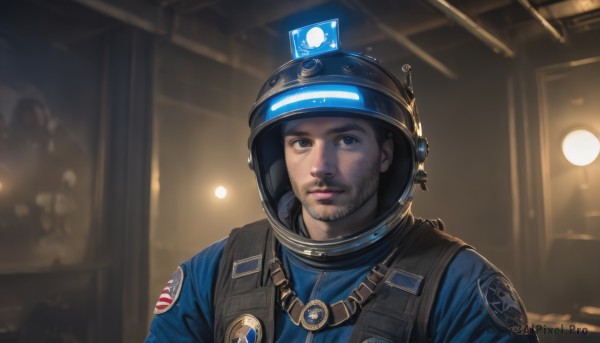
324 194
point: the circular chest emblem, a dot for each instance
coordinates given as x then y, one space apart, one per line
244 329
315 315
502 301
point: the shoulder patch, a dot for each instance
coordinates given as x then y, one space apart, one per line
170 293
502 301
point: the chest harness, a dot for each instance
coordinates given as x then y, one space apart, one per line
392 303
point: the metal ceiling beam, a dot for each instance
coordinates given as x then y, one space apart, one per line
404 41
215 46
250 14
565 9
463 20
190 6
414 22
537 16
167 3
415 49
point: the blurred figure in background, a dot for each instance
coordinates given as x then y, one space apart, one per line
43 168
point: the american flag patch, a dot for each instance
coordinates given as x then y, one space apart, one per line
169 294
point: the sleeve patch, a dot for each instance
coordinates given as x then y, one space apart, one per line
502 301
170 293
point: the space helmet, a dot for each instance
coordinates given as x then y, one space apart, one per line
326 84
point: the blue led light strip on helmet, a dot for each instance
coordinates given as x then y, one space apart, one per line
315 96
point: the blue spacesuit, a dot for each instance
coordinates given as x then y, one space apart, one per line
459 315
466 308
337 148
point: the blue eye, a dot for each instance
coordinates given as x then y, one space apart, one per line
301 143
347 140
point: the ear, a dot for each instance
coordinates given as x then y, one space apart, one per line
386 155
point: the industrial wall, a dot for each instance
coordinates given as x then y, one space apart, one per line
151 123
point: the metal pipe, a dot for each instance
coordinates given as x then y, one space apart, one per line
413 22
177 39
405 42
463 20
121 15
538 16
415 49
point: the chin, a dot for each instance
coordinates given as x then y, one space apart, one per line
330 216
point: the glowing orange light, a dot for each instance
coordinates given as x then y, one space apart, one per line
221 192
581 147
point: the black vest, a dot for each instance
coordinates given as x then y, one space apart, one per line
395 313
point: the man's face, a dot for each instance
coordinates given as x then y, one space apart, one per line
334 165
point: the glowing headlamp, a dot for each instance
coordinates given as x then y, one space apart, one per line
315 39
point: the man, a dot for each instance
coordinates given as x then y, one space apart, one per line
337 150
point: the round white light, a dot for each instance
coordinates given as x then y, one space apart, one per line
581 147
221 192
315 37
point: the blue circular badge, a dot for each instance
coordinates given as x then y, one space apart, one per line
502 301
315 315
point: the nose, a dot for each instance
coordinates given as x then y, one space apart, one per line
323 162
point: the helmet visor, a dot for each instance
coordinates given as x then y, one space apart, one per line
331 98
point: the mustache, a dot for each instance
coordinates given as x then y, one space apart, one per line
322 184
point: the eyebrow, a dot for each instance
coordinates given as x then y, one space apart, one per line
341 129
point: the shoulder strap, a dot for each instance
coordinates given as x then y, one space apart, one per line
243 285
440 248
400 310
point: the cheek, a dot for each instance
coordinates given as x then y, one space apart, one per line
293 167
356 167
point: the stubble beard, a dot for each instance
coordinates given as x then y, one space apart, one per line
367 188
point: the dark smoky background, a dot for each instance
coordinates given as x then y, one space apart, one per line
121 119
